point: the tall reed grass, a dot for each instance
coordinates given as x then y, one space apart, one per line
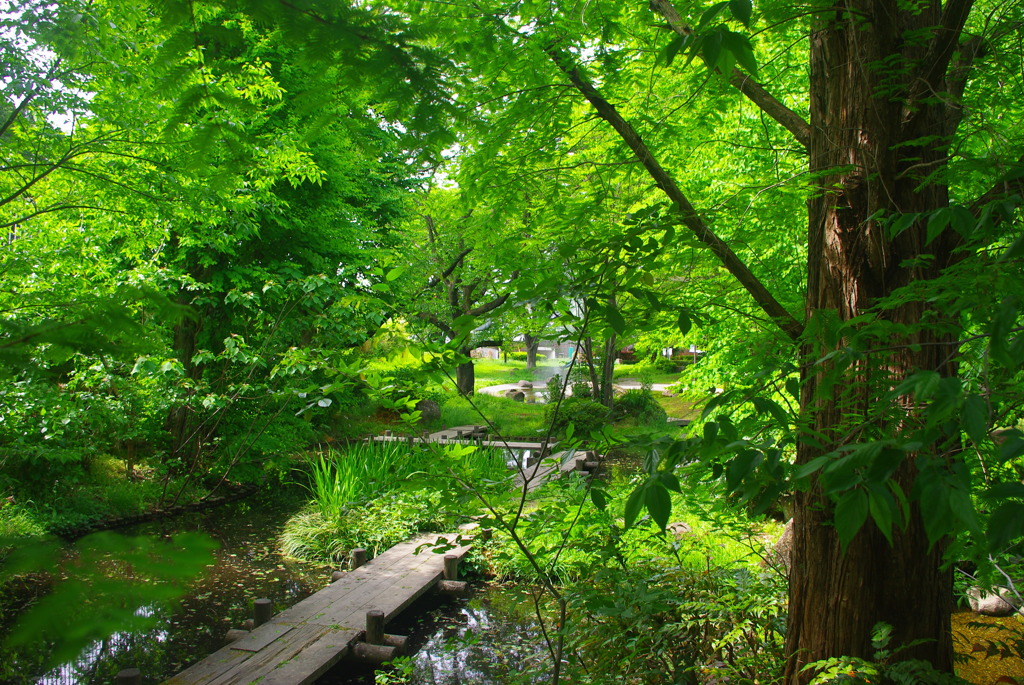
340 479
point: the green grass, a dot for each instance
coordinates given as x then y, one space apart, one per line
81 495
678 407
511 418
496 372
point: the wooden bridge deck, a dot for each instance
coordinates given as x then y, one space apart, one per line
556 466
302 642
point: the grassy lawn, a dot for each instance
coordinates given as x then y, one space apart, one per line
678 407
497 372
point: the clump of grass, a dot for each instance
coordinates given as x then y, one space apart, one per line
339 479
366 496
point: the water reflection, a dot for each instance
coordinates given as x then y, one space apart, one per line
247 566
483 641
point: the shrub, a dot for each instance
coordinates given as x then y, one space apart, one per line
641 405
585 415
517 356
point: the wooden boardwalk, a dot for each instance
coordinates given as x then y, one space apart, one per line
468 435
556 466
302 642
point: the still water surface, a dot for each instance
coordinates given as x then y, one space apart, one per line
471 641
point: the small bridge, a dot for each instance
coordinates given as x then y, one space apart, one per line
345 619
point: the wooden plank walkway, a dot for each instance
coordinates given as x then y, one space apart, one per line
556 466
302 642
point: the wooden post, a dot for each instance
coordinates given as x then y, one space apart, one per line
485 534
358 557
262 611
581 463
129 676
387 434
451 567
375 627
410 441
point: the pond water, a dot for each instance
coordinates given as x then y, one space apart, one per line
471 640
247 567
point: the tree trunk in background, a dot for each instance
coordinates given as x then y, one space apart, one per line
532 343
180 424
465 375
867 170
607 395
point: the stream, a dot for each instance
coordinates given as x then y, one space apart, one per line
464 641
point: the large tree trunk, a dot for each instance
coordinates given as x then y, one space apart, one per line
863 74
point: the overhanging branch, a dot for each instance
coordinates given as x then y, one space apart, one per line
689 217
753 90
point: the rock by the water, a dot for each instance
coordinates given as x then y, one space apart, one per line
526 385
999 602
429 410
517 395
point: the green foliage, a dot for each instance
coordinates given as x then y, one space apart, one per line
585 415
375 526
640 404
882 668
113 577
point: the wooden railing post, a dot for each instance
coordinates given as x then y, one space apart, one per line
375 627
451 567
262 611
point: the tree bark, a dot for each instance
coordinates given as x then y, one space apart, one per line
532 343
865 146
465 375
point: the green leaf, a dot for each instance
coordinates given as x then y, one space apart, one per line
615 319
882 507
974 418
670 481
683 322
740 47
634 504
674 46
768 406
396 273
1005 525
741 467
659 504
813 466
710 14
599 498
850 515
741 10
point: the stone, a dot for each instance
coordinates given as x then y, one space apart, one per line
517 395
679 529
999 602
429 410
526 385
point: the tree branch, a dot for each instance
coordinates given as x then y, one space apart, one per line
943 46
754 91
1012 186
489 307
956 83
434 280
689 217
